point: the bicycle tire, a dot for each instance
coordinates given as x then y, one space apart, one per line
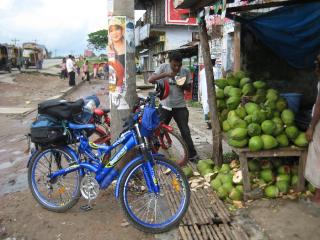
34 181
178 151
182 206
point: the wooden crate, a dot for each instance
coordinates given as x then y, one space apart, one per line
292 151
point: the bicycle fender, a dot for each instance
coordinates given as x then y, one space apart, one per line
31 156
117 189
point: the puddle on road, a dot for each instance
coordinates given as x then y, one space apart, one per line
15 183
5 165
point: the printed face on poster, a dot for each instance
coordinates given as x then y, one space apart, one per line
116 51
120 43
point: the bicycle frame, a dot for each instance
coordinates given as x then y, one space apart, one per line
105 174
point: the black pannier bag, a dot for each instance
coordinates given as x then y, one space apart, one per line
47 130
61 109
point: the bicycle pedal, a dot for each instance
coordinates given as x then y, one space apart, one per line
86 208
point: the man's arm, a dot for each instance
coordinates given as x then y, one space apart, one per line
187 85
314 120
159 74
154 77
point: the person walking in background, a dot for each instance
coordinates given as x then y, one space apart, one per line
95 70
203 90
71 70
106 71
40 58
312 171
78 70
174 106
85 69
63 73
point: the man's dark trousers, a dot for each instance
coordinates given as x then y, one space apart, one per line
181 116
72 77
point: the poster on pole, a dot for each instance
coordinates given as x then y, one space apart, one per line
120 46
177 16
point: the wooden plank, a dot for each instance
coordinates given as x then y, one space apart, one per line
188 233
214 211
201 217
183 234
241 234
204 232
226 231
198 232
216 129
237 47
193 233
213 232
218 232
206 209
302 165
245 175
208 232
193 213
220 209
264 5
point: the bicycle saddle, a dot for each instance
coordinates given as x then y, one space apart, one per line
81 126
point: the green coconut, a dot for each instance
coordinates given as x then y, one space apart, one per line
187 171
215 184
235 195
283 186
222 192
225 168
266 175
271 191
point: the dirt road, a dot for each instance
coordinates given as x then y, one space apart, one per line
20 216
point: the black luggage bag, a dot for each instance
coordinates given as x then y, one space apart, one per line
47 131
61 109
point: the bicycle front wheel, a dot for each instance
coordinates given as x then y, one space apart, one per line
58 194
174 147
155 212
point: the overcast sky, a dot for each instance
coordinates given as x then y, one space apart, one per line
61 25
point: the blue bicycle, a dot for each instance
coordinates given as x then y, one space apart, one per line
152 190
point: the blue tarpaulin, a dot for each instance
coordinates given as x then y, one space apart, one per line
292 32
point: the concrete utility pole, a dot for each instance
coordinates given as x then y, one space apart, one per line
216 130
124 8
15 41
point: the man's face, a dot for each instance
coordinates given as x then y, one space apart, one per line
175 66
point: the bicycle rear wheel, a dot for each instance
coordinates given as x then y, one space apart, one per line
58 194
155 212
174 147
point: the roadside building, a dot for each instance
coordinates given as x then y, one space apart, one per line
161 29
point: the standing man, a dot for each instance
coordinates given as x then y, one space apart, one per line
71 71
174 106
312 171
203 90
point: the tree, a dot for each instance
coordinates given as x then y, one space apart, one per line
98 40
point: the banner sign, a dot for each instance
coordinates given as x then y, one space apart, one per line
116 52
177 16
